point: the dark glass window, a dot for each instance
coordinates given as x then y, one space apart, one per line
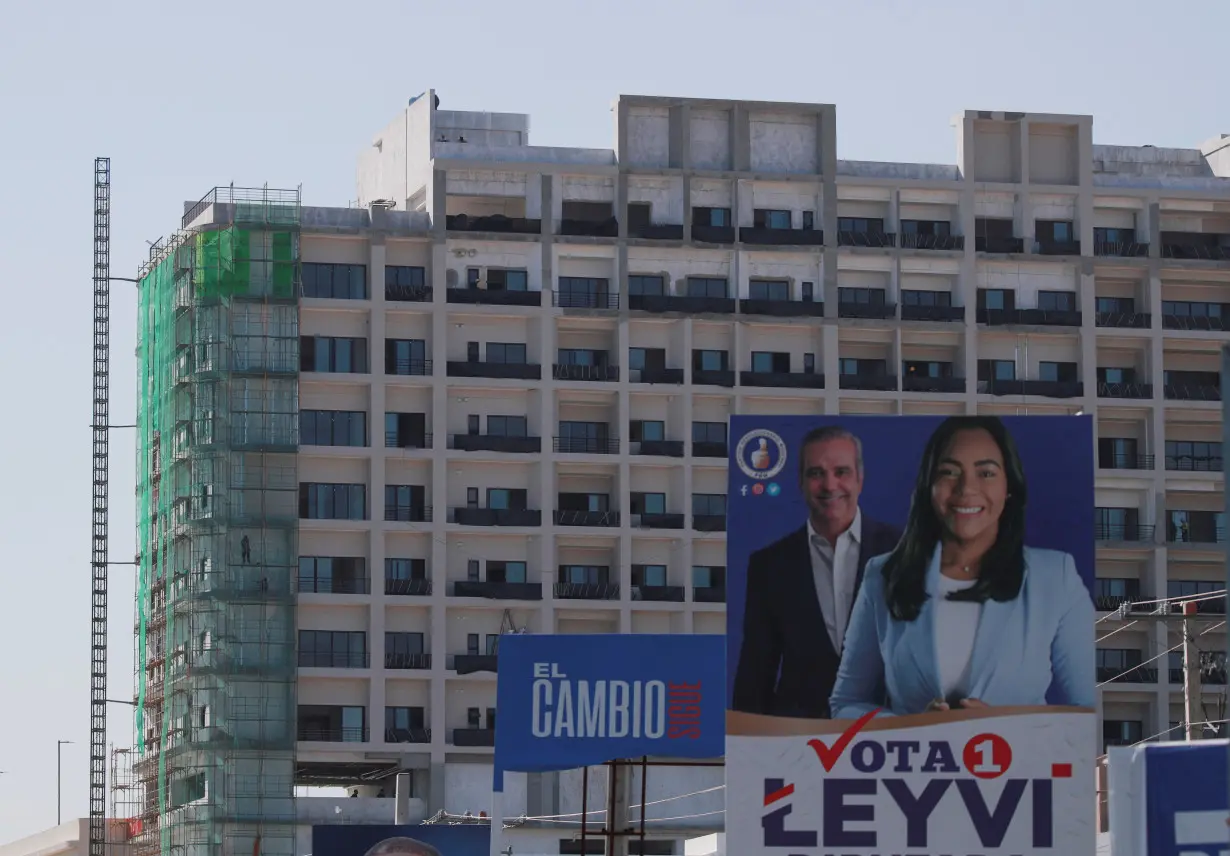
333 428
335 281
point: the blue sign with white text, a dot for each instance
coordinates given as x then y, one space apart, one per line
1186 799
568 701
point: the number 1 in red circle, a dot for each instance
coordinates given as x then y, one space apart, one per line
987 756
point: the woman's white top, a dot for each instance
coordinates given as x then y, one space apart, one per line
956 623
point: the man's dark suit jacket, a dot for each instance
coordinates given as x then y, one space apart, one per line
787 663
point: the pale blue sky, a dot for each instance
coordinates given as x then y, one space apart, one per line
186 96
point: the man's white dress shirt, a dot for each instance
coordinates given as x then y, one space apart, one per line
835 570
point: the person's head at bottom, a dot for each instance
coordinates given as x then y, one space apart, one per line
402 847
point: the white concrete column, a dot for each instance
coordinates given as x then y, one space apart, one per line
376 482
623 417
549 420
496 847
437 497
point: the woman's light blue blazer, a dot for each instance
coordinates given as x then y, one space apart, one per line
1044 636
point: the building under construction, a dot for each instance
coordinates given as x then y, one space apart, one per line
216 485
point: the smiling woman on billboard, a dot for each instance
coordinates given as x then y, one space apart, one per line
962 614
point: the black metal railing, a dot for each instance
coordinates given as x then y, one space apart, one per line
688 304
587 591
497 516
334 585
492 223
586 445
497 443
468 664
1192 392
866 239
1125 390
922 383
1130 533
709 594
473 736
481 368
713 377
407 367
1198 323
932 242
713 234
608 228
881 383
1204 535
781 308
658 448
585 299
1057 248
709 522
1053 388
1128 320
656 375
493 296
408 513
781 237
932 313
657 231
660 594
999 245
1126 462
850 309
333 659
1192 464
710 449
658 521
586 518
1129 249
496 590
407 661
395 440
572 371
1130 675
408 588
1035 317
782 380
407 735
408 293
333 734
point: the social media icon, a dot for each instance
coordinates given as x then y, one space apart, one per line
743 490
758 489
774 489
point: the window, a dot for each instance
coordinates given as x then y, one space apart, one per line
1116 375
405 357
584 502
862 367
337 649
809 220
646 430
768 218
708 505
649 575
1054 231
507 426
474 642
333 427
646 286
474 714
937 228
346 723
646 358
989 370
333 574
769 289
1116 589
1057 301
996 299
809 292
584 288
332 501
1103 235
405 570
335 354
1191 309
585 575
404 719
708 576
502 279
862 225
710 216
405 430
1194 455
710 361
770 362
706 286
507 499
809 364
709 432
861 296
1115 305
1057 372
404 502
581 357
647 503
402 282
506 352
926 298
472 567
403 644
1117 524
584 435
1117 452
926 368
335 281
506 572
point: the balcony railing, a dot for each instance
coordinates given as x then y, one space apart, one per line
922 383
1125 390
782 308
497 517
1128 533
586 518
660 594
1192 392
473 736
333 659
657 232
782 380
497 443
911 312
1128 249
932 242
493 296
866 239
781 237
335 585
1033 317
850 309
709 522
408 513
709 594
587 591
332 734
881 383
1128 320
1126 462
658 521
713 234
608 228
1110 603
656 375
585 299
408 293
1057 248
407 588
1053 388
468 664
411 367
586 445
407 661
713 377
407 735
394 440
1198 323
492 223
479 368
1204 535
495 590
1130 675
684 303
710 449
1195 250
1192 464
571 371
658 448
999 245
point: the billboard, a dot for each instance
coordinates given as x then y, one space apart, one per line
910 636
569 701
421 840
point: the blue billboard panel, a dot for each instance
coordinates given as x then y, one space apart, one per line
1186 799
420 840
910 634
568 701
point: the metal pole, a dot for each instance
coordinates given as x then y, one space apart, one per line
644 793
584 805
59 743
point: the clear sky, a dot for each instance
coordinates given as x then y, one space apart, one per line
185 96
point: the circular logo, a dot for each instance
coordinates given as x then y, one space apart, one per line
758 489
774 488
761 454
987 756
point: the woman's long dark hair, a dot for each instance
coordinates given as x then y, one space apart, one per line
1003 567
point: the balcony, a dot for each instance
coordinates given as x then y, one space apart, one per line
586 518
408 513
713 234
334 585
658 448
932 313
1053 388
782 308
713 377
657 521
1198 323
585 299
397 440
878 383
586 445
1110 603
1057 248
493 296
877 311
333 660
782 380
407 367
1191 464
493 223
657 375
1131 675
1035 317
709 522
781 237
608 228
1124 320
587 591
407 735
508 371
407 293
407 588
658 594
497 443
689 305
599 374
468 664
709 449
866 239
657 231
999 245
1125 390
1191 392
1196 535
474 737
1126 462
407 661
1124 533
497 517
1195 246
932 242
709 594
335 734
497 590
918 383
1123 249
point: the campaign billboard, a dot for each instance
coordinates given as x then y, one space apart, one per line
569 701
427 839
910 635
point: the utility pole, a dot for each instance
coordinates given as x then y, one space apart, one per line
1192 717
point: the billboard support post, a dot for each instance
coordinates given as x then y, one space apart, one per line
584 806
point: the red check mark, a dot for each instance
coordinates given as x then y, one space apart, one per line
830 755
